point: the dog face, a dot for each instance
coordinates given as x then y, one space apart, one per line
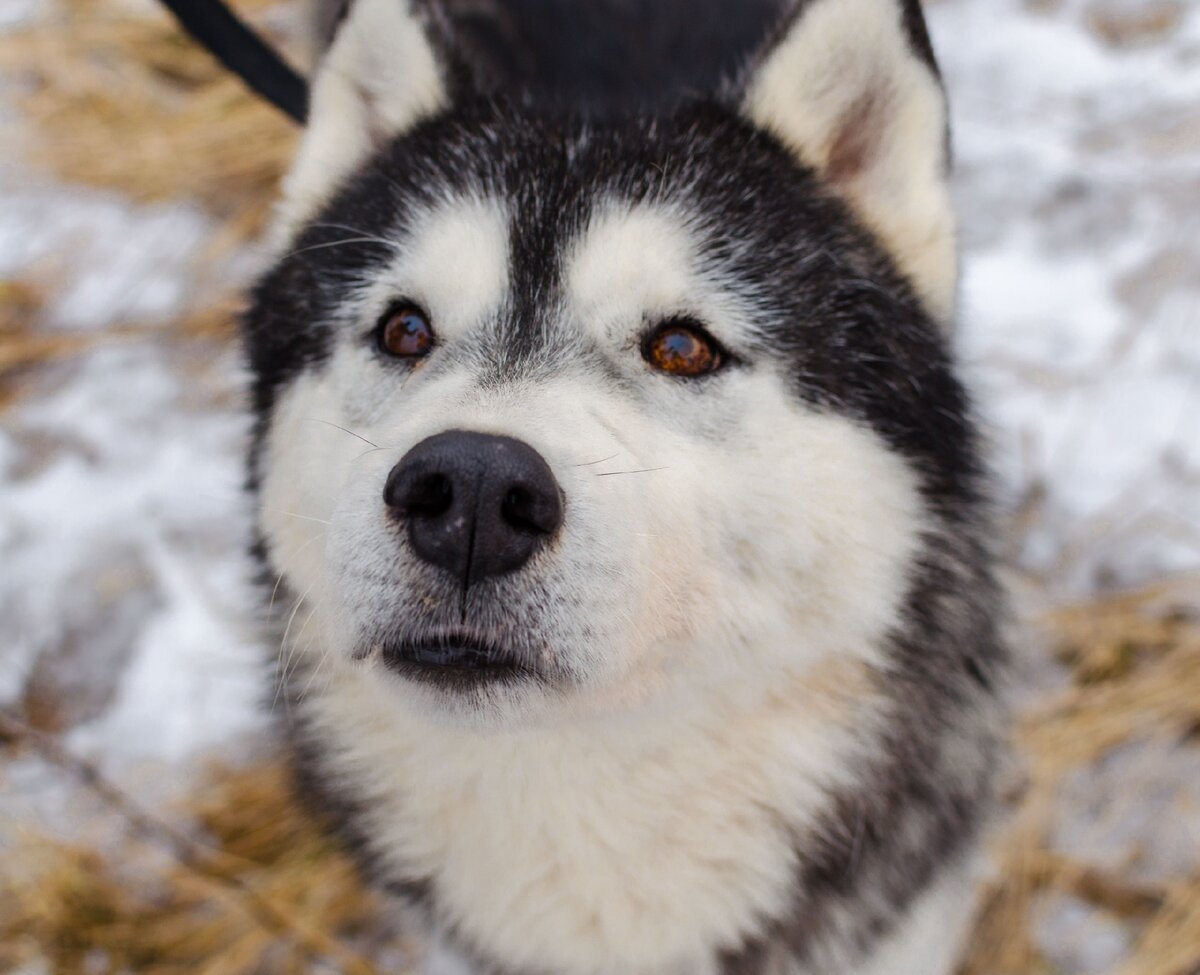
560 417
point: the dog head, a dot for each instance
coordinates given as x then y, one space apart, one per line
558 415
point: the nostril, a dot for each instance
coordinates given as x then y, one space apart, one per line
429 496
516 509
532 511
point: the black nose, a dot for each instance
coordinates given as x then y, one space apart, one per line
475 504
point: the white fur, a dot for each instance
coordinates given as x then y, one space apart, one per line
842 55
453 263
632 265
720 599
623 845
379 78
927 940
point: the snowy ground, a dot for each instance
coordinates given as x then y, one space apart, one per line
1079 188
1077 131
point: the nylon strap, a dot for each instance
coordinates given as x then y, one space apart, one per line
219 30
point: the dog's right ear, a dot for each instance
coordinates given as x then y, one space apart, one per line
851 88
382 74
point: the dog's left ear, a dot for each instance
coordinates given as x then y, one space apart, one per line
384 72
852 89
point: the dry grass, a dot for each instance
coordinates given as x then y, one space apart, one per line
1135 665
123 100
261 892
25 349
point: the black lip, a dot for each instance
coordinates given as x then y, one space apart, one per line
454 662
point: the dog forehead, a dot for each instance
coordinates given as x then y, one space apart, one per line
465 259
590 231
628 261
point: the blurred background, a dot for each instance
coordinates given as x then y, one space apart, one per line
145 824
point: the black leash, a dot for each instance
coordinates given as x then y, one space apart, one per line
218 29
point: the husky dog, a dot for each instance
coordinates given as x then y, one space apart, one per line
610 449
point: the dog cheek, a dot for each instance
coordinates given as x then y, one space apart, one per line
603 591
679 581
296 489
825 538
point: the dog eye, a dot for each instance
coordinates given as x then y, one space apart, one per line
405 332
683 349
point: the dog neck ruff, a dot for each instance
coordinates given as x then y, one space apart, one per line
219 30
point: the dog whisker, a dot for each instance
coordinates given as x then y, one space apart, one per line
279 578
294 652
334 243
670 591
293 514
316 670
280 678
644 470
593 463
364 234
338 426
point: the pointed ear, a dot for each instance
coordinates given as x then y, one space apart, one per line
852 89
381 75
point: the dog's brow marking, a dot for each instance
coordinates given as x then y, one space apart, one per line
629 262
456 262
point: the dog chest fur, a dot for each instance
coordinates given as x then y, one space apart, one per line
644 845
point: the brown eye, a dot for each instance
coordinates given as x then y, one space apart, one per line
683 349
405 332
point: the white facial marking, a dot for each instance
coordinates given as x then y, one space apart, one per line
628 263
633 265
455 264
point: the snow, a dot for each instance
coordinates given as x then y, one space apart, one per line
1078 171
68 237
122 519
123 525
130 501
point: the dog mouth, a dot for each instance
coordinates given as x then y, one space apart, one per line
455 661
